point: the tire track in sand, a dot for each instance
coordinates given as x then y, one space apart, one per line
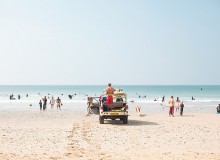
83 144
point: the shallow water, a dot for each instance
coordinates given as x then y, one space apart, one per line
206 97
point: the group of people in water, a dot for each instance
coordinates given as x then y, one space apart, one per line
12 97
43 103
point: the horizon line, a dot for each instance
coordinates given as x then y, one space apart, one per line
106 84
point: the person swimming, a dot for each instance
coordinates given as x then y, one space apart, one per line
70 96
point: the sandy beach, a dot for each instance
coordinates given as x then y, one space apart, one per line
114 57
69 134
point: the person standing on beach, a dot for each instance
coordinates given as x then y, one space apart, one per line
109 93
178 104
45 103
58 100
171 103
40 103
52 102
181 108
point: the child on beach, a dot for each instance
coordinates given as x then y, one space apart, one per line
40 103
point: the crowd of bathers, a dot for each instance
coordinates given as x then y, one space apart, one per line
43 103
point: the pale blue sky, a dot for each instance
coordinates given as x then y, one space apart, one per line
118 41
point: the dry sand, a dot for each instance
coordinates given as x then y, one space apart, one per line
68 134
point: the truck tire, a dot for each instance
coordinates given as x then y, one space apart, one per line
101 120
125 120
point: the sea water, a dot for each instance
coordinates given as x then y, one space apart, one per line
140 94
152 92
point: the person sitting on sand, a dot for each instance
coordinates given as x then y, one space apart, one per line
109 93
138 110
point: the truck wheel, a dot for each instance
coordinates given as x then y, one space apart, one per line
125 120
101 120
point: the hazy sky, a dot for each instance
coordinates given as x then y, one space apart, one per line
118 41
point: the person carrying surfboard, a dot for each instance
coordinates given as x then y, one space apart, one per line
171 102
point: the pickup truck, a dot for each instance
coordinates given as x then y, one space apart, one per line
117 110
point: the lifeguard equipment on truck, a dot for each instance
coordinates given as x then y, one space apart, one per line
117 110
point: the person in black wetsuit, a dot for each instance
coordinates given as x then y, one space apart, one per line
181 108
218 108
40 103
45 103
70 96
11 96
163 98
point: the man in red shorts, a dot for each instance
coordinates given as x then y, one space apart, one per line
171 102
109 93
